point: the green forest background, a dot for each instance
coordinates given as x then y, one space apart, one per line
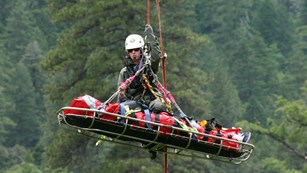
243 62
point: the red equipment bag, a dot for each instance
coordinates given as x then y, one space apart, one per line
231 133
111 108
85 101
162 118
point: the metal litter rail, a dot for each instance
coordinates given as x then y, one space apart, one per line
154 144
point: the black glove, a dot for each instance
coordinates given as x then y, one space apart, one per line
148 29
152 46
210 124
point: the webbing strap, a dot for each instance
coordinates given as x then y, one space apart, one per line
157 147
168 106
147 117
125 110
184 126
191 130
122 111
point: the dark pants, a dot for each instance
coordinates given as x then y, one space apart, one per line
156 106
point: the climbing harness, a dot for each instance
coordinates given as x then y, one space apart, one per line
149 86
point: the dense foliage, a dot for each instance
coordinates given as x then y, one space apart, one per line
242 62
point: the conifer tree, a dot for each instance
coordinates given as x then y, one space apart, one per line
24 110
272 20
18 34
295 66
18 30
226 104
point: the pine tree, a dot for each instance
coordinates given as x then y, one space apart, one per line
19 34
5 7
31 59
272 20
5 67
257 74
18 31
295 65
226 104
24 111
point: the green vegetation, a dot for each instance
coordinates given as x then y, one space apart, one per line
242 62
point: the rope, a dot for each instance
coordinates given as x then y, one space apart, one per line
161 45
163 55
148 11
163 75
123 86
164 102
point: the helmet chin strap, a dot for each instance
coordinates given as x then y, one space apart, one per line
141 59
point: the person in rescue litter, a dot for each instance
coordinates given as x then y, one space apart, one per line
141 93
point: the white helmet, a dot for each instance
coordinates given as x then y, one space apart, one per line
134 41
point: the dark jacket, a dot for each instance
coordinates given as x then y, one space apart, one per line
136 90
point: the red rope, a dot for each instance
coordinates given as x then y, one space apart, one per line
163 65
161 46
163 75
148 11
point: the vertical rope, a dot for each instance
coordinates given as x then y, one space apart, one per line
163 75
148 11
161 45
163 64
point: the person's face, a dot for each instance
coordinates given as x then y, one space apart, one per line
135 55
